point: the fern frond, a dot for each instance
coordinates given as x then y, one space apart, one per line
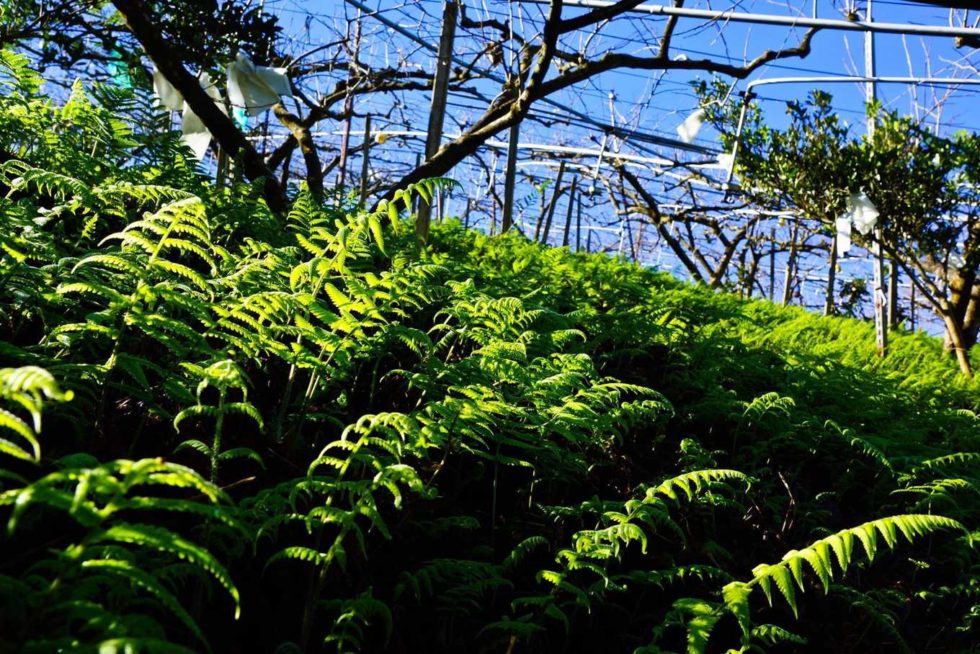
839 547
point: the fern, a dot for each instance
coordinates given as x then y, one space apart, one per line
28 388
113 551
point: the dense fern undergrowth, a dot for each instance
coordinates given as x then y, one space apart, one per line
222 430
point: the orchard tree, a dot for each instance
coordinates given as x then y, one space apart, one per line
924 185
551 54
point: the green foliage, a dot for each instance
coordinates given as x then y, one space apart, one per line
839 548
364 445
26 389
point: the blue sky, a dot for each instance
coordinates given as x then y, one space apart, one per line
651 103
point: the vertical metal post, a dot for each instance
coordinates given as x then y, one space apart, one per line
790 265
892 295
348 108
550 211
568 212
365 158
772 267
437 111
881 320
510 178
828 304
578 226
912 306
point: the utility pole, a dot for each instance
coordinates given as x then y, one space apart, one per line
437 111
510 178
881 319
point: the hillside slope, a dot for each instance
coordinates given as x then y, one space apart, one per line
230 431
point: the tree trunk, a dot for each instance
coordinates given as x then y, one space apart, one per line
964 298
437 110
790 267
510 178
954 336
568 213
550 211
222 128
828 305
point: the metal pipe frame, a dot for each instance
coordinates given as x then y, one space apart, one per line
729 15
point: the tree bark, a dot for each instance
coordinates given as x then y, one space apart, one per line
437 110
828 304
510 178
221 126
568 212
300 132
550 213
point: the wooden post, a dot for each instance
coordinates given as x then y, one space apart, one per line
541 212
568 212
437 111
365 158
550 212
828 304
416 201
510 178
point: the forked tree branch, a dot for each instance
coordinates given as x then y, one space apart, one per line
222 128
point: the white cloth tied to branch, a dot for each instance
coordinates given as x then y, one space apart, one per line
251 89
193 133
192 130
689 129
256 88
862 214
169 96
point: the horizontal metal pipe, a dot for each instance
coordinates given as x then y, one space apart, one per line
830 79
729 15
